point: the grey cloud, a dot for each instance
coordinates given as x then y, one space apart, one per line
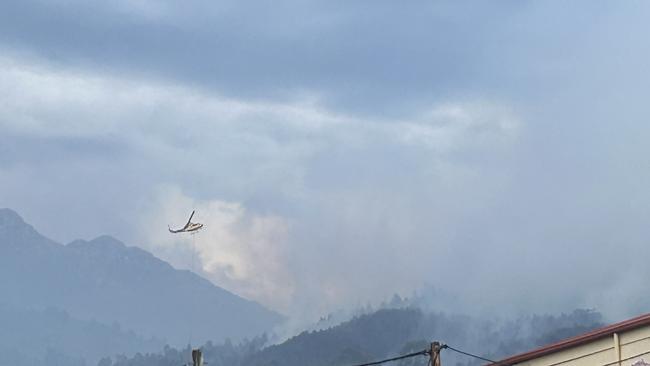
317 114
356 56
38 151
345 184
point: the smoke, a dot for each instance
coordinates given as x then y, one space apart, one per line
241 251
361 237
522 188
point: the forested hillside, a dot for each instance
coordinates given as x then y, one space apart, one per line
385 333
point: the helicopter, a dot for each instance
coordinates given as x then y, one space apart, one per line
190 227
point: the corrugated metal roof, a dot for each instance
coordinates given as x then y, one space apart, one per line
609 330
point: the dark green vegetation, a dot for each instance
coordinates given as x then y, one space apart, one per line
385 333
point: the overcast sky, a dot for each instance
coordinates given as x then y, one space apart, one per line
342 151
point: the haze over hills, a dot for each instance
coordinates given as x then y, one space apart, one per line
53 337
103 280
101 301
385 333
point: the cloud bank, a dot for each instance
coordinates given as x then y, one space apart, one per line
273 164
339 153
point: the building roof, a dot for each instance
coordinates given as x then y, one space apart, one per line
599 333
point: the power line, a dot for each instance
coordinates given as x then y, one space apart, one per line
419 353
432 360
467 353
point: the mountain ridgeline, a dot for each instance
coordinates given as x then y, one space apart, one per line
107 288
102 303
385 333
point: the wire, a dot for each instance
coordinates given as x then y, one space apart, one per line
420 353
189 341
467 353
193 250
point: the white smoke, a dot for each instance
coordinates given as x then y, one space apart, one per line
236 249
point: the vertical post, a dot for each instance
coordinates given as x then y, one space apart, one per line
617 348
197 357
435 354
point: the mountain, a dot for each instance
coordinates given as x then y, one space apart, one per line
105 281
386 333
53 337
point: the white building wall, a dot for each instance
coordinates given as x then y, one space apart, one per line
630 348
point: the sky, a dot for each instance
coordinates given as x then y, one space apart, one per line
339 152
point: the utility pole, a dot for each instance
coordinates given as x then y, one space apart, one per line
197 357
434 354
